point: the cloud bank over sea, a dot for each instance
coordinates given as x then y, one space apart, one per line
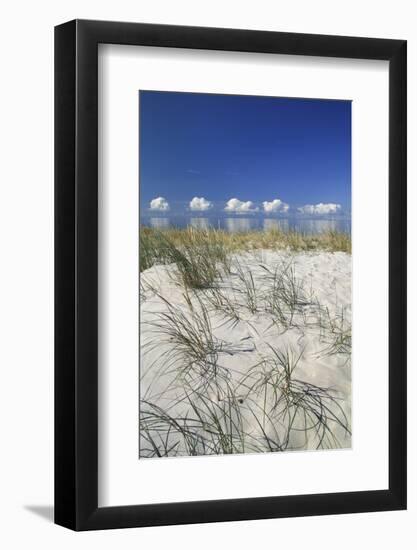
272 207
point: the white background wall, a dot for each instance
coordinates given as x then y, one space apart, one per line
26 270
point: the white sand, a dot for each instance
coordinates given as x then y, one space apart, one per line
244 346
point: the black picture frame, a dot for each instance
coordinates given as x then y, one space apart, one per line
76 272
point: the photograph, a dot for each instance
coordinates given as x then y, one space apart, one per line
204 208
245 274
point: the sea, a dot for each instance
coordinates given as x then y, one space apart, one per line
249 223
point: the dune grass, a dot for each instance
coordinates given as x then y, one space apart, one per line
294 404
203 406
208 411
269 410
247 287
286 294
193 347
200 256
270 239
335 334
200 252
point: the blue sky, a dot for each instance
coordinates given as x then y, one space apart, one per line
254 149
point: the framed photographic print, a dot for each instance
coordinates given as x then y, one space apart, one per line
230 337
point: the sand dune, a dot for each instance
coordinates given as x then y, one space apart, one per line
259 362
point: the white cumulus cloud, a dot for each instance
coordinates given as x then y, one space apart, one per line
235 205
274 206
320 208
200 203
159 204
